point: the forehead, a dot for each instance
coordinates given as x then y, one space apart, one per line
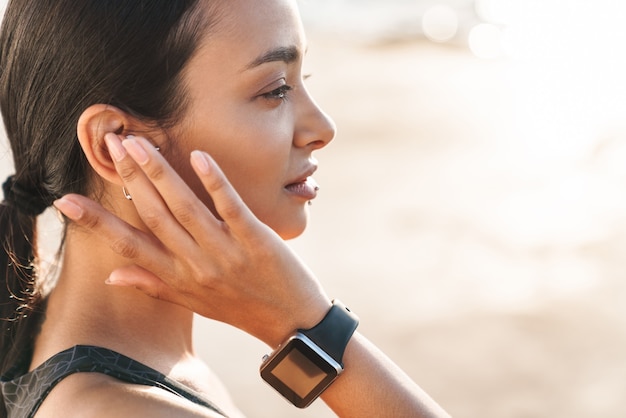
246 28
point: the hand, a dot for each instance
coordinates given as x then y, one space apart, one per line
230 268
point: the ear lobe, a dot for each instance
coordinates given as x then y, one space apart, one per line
95 122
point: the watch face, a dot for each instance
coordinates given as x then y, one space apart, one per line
300 371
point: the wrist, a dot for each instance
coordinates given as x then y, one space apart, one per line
307 362
299 316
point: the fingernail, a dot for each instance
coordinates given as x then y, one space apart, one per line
200 161
136 151
68 208
115 147
116 280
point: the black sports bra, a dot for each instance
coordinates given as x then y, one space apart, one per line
23 391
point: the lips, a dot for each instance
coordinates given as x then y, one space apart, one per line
305 187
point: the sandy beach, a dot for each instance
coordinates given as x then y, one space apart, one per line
492 276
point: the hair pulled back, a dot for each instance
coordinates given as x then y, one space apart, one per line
58 57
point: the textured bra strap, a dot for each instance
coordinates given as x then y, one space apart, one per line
24 394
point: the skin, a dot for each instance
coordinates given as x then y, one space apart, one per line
188 243
252 111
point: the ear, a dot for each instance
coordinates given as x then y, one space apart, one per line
95 122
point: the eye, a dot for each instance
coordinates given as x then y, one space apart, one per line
278 94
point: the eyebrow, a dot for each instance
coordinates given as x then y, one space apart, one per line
286 54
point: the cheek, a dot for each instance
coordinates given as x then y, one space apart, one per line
253 152
252 145
255 158
259 180
258 174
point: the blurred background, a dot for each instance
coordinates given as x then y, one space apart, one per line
473 204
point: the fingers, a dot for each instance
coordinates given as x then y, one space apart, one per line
146 282
227 201
179 222
125 240
163 200
181 201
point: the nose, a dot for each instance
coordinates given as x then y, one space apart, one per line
314 128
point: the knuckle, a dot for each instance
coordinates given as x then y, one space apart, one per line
155 171
126 246
91 221
195 270
151 218
184 212
215 184
127 173
231 210
205 276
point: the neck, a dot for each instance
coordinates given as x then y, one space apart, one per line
82 309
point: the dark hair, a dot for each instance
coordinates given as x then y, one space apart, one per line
57 58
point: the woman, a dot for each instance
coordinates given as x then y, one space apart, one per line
105 104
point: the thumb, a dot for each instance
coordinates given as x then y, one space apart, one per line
146 282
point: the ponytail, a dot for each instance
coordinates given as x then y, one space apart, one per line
20 298
57 58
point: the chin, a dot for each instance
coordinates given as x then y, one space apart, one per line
290 229
291 235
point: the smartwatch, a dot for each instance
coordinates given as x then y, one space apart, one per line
303 366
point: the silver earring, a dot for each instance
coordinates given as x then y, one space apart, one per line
126 194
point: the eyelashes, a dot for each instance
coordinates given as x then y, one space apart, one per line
279 93
282 93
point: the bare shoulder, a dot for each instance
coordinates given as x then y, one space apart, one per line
94 395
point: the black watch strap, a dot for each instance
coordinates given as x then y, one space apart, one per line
334 331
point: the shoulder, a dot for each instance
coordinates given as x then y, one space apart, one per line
94 395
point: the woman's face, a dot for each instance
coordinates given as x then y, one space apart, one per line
250 110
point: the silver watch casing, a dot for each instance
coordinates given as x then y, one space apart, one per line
300 370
